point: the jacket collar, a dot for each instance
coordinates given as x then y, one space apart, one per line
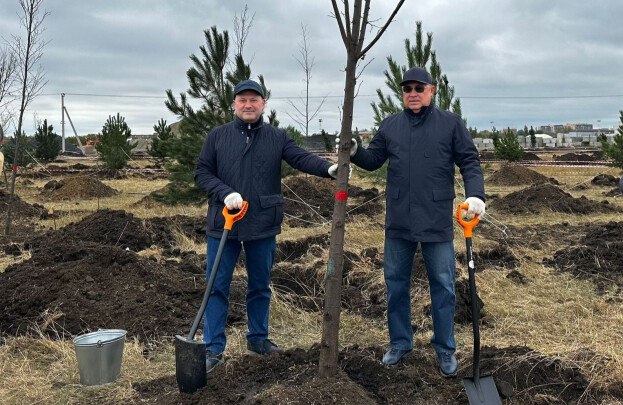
423 111
248 126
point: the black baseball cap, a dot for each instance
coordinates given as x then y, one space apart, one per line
248 85
416 74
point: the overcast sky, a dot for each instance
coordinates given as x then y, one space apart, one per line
512 63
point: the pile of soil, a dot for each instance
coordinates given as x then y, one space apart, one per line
522 375
598 257
542 197
78 187
530 156
498 257
575 157
19 207
70 288
605 180
105 227
517 176
309 201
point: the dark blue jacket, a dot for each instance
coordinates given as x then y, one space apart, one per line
422 150
246 159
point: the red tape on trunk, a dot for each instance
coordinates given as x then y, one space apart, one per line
14 168
341 195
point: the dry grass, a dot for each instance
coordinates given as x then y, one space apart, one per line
553 313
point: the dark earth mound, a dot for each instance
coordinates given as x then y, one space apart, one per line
107 227
19 207
605 180
309 201
69 288
499 256
542 197
517 176
530 156
576 157
598 257
78 187
522 375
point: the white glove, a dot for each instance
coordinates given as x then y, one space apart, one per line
233 201
476 206
353 145
333 171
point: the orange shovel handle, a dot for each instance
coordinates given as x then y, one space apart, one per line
466 225
231 218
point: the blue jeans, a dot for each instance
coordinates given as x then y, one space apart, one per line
260 255
440 268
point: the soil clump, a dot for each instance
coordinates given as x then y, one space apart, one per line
78 187
542 197
521 374
597 257
517 176
605 180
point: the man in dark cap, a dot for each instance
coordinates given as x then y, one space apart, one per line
242 160
423 144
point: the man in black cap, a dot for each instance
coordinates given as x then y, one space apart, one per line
242 160
423 144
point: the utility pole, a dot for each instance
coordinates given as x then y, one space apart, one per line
63 122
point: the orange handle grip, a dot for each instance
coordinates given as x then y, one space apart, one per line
466 225
231 218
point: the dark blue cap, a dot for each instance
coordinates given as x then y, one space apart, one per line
248 85
416 74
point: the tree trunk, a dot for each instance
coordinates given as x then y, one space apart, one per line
333 278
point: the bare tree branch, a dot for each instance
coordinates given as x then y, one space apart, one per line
242 27
340 25
380 33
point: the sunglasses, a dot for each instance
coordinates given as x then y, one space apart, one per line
419 88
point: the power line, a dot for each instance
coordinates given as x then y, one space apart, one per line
360 95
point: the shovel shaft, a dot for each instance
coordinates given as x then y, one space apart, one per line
208 290
475 308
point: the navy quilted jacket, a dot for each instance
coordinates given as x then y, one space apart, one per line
422 150
246 158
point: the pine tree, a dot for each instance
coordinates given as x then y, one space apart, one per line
328 145
26 151
532 133
614 150
160 144
47 142
211 79
508 147
421 55
114 144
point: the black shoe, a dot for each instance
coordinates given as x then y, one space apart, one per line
262 347
395 356
213 360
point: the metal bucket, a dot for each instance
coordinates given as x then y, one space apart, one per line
99 355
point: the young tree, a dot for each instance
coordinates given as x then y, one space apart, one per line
328 145
422 55
28 51
114 144
302 114
614 150
26 151
353 25
160 144
47 142
8 68
532 133
508 147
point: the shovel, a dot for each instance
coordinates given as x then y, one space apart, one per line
480 389
190 354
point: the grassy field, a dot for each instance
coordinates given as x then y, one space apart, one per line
555 313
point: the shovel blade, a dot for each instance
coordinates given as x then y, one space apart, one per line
481 391
190 364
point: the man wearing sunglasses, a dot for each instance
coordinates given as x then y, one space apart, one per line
423 144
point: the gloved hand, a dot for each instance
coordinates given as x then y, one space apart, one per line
233 201
333 171
476 206
353 145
